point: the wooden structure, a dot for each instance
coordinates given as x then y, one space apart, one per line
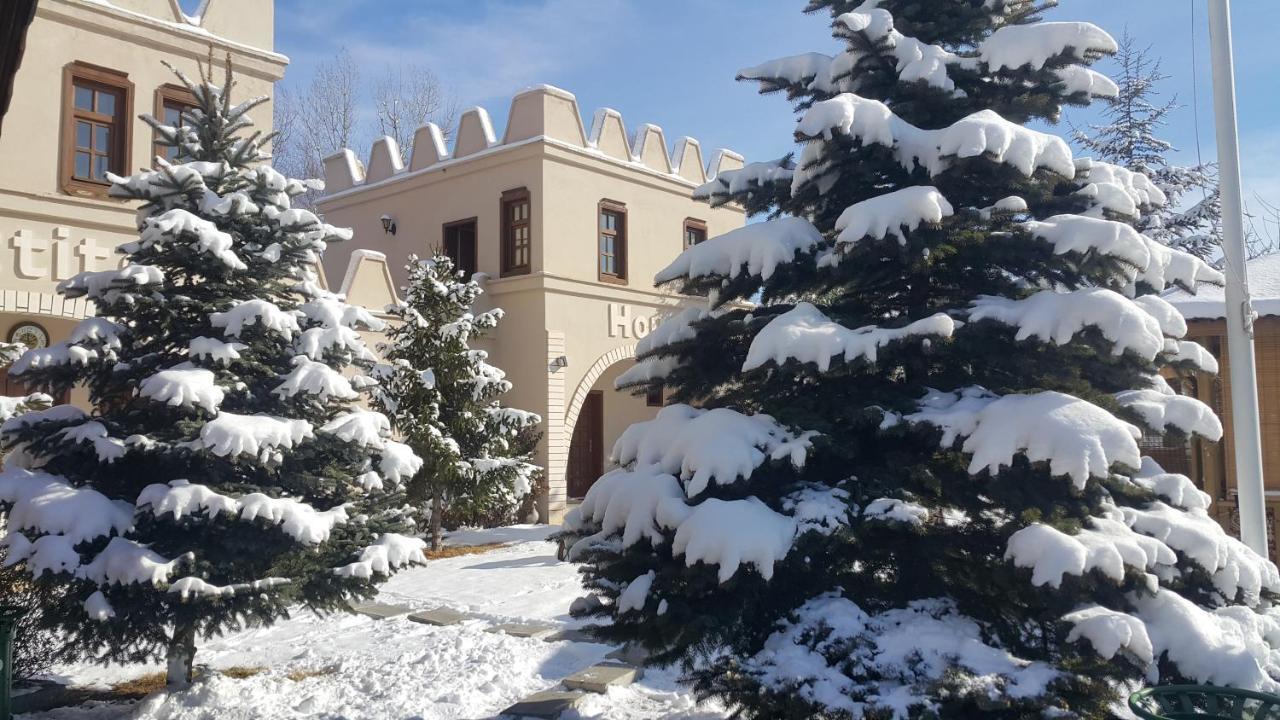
1212 465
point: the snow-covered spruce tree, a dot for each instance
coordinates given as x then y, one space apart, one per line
440 395
1128 139
32 648
907 483
225 473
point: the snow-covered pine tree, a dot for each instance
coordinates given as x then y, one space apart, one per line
225 473
441 396
32 648
911 486
1129 139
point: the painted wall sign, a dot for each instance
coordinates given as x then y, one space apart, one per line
55 258
625 321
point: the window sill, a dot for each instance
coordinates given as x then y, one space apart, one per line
613 279
514 272
87 189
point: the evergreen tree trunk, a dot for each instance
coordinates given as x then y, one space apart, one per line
181 656
437 510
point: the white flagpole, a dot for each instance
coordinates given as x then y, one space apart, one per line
1243 370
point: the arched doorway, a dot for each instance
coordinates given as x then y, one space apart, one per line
597 415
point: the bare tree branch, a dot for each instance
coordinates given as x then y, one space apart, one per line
406 98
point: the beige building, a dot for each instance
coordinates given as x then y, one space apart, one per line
89 69
568 226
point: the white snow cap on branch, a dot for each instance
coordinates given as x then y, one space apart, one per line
1080 234
1171 266
125 562
1077 438
110 284
1080 79
214 350
185 386
363 427
626 501
636 592
230 435
107 448
761 247
317 380
805 334
1058 317
1117 189
728 534
397 462
900 653
1190 351
1109 632
98 608
194 587
48 504
296 518
1034 44
390 552
1177 490
1172 323
1160 411
893 509
255 312
703 446
177 222
1230 646
888 214
984 133
1107 546
915 60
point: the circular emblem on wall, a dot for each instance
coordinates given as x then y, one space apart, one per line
29 334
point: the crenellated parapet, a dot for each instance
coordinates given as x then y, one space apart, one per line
542 113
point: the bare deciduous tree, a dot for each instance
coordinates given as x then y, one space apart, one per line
325 117
406 98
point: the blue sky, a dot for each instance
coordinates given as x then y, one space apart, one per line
672 63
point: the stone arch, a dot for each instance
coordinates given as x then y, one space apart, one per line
598 368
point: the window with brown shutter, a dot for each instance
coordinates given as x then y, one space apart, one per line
171 102
612 231
695 231
517 232
97 104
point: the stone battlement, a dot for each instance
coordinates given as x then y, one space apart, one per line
539 113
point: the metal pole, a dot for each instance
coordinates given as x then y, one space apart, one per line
1243 370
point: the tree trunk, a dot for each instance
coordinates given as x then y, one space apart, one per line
182 655
437 509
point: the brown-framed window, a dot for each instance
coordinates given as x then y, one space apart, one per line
460 245
653 396
695 231
97 104
517 232
612 231
171 102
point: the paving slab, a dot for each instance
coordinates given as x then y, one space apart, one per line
523 630
548 704
571 635
629 654
599 678
438 616
380 611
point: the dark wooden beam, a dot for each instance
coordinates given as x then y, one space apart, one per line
15 17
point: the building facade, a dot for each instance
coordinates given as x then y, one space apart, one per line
1212 465
90 69
568 226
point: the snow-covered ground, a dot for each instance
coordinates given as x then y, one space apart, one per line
396 669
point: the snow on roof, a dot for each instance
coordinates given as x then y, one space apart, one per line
1210 304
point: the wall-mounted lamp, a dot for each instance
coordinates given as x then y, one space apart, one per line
388 225
559 363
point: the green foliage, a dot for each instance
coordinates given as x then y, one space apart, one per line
441 396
